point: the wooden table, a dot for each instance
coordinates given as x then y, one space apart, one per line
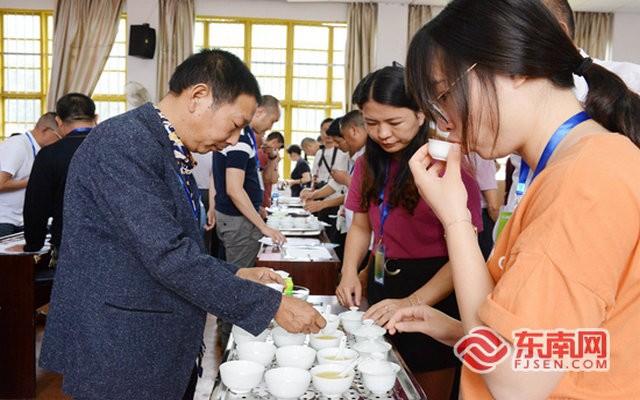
19 298
320 277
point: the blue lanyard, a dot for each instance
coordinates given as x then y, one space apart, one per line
252 135
195 203
184 161
557 137
79 131
33 146
384 213
352 167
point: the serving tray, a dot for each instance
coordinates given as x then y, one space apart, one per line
403 389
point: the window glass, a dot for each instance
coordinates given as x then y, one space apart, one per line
108 109
20 114
21 77
300 63
25 70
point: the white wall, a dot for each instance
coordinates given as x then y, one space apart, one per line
29 4
143 71
626 31
391 38
273 9
392 34
392 43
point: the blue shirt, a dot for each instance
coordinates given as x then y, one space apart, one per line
241 156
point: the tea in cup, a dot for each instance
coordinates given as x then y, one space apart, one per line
323 340
326 379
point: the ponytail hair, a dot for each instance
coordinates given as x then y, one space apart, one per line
611 103
512 38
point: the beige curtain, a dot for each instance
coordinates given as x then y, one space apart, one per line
594 32
418 16
362 23
84 32
175 38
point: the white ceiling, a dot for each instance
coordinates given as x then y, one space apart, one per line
629 6
625 6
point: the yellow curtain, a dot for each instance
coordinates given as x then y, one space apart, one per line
594 32
84 32
175 38
418 16
362 23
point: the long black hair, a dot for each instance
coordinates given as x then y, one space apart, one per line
512 37
386 86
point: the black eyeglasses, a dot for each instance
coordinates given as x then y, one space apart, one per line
55 131
434 104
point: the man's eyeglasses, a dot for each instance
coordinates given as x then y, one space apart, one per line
434 104
55 132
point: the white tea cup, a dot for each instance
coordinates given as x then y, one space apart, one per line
439 149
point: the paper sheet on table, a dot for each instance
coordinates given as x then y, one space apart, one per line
290 200
308 253
287 211
9 242
293 241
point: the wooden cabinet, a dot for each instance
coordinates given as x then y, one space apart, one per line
20 296
319 276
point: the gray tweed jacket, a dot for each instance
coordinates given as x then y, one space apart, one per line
133 283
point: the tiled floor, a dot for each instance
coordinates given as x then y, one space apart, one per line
48 383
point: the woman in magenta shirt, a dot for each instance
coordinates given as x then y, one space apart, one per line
408 240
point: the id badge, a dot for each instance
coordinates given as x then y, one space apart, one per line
378 263
260 181
203 217
503 217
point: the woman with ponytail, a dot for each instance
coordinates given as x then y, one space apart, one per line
497 74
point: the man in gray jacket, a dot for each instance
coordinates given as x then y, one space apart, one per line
134 282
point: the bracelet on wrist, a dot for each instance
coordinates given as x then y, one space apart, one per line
414 300
458 221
